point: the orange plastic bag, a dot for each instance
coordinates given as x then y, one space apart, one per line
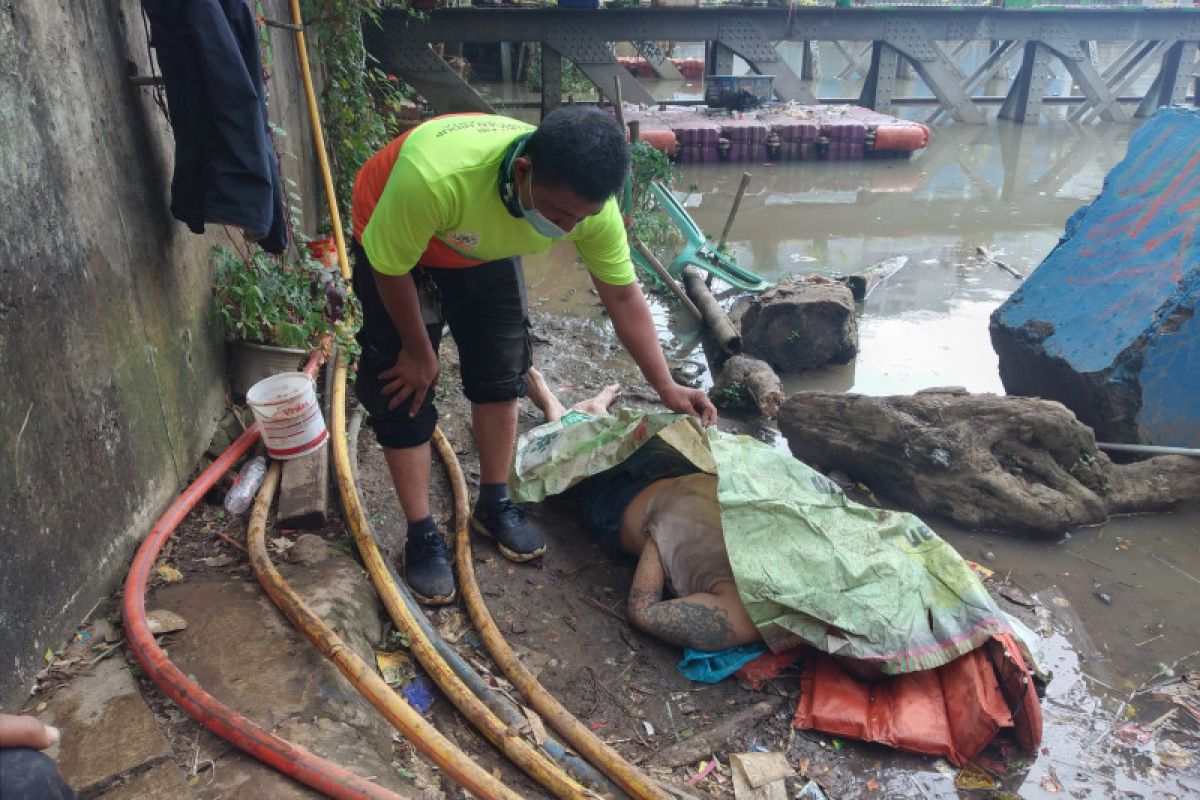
952 711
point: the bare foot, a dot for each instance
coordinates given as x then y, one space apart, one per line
599 405
542 397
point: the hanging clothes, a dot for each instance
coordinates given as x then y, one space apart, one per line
225 167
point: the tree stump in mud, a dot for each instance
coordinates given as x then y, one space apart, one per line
745 381
798 325
1011 464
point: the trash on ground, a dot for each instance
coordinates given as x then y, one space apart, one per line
162 621
760 776
419 694
168 574
395 667
1172 755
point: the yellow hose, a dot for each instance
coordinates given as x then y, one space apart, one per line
606 759
314 118
397 711
511 744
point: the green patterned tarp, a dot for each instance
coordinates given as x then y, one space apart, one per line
811 565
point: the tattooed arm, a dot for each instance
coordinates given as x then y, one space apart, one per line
702 621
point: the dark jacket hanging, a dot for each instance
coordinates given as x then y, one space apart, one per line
225 166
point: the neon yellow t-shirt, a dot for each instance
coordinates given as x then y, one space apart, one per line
444 185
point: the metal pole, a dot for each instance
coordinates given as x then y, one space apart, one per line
1150 449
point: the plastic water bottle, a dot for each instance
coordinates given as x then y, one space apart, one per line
239 496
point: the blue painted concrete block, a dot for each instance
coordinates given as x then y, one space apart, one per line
1107 323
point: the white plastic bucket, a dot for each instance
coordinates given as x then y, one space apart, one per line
289 417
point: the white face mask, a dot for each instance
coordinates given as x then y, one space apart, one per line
534 217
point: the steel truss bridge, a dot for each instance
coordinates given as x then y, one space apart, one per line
926 40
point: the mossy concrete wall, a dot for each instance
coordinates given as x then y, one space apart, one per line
113 375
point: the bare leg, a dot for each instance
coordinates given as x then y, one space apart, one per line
495 427
599 405
542 397
410 467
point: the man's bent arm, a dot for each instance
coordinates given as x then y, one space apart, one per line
698 621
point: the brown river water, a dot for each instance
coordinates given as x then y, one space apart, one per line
1010 188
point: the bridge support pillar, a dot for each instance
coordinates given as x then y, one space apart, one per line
1171 84
551 79
424 70
594 59
879 89
718 59
657 59
1024 100
810 66
934 67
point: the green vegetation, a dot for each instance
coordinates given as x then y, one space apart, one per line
268 300
650 224
360 102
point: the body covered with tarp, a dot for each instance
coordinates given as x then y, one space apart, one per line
811 565
815 568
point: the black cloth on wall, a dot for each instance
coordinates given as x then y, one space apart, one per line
225 166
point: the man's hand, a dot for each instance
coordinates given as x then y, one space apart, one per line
410 378
686 400
26 731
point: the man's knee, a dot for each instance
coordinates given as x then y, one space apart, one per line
31 775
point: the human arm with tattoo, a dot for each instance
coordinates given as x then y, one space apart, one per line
708 621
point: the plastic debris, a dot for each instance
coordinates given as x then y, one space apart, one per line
706 768
162 621
812 791
419 694
1131 734
168 574
395 667
973 776
1172 755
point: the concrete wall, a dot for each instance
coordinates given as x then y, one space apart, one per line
113 376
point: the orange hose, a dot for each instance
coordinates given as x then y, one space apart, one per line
608 760
362 676
291 760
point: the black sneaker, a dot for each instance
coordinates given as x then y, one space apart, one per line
517 537
427 569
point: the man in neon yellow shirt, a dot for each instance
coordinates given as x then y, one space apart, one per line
441 217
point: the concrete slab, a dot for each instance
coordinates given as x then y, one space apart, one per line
1107 324
162 782
241 649
108 731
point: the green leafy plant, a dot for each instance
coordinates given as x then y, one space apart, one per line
650 224
267 300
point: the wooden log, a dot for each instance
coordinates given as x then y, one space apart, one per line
706 742
750 381
714 316
737 203
666 278
304 491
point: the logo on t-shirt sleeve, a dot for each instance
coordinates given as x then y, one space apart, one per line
463 240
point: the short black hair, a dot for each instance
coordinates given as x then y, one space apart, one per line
581 148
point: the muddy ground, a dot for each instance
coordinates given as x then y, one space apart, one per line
564 615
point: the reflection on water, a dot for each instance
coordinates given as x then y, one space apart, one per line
1008 187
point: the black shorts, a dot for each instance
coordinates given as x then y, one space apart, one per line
487 312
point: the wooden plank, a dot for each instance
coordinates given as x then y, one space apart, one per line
304 491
